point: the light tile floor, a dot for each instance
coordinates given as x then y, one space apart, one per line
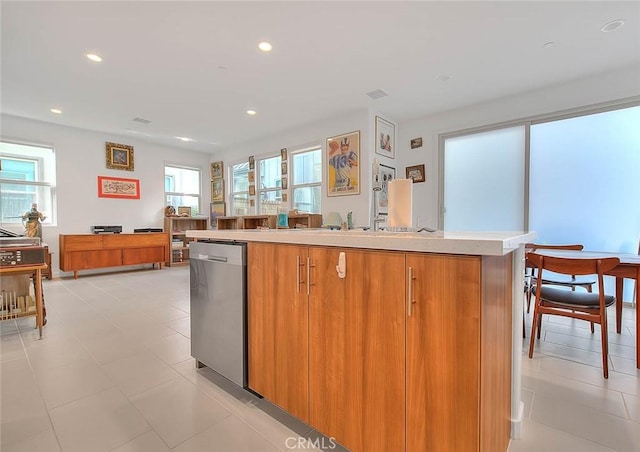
114 373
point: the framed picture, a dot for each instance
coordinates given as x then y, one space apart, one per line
284 197
217 170
252 202
416 143
184 211
252 162
283 154
118 187
119 156
285 183
387 174
217 190
416 173
217 209
385 138
283 166
251 176
252 190
343 164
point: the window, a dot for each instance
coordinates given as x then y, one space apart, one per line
182 187
27 175
306 173
269 189
240 189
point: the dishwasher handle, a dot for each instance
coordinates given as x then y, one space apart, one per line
206 257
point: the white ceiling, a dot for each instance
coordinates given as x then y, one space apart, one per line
193 68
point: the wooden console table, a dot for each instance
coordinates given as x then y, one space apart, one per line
91 251
36 271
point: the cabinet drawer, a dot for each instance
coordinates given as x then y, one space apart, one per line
132 256
80 242
84 260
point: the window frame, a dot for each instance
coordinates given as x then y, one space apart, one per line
293 186
180 194
232 193
44 159
260 191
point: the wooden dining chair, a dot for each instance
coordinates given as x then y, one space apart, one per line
588 306
571 281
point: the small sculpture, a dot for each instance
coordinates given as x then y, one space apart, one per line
32 221
169 211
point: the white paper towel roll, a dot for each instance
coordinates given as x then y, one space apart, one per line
400 204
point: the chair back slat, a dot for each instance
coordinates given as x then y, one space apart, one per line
540 246
573 266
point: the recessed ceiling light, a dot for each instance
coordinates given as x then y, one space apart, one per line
265 46
184 138
251 112
612 26
95 58
548 45
443 78
56 111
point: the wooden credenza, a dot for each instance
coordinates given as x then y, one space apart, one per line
91 251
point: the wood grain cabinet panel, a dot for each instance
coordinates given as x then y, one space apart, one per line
278 328
356 349
459 353
408 352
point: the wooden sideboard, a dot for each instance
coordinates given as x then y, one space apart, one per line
91 251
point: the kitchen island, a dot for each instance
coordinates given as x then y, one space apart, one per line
388 341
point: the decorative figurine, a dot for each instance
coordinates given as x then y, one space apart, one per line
169 211
32 221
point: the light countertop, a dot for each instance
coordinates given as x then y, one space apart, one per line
470 243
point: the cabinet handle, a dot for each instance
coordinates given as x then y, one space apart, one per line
297 274
410 299
309 275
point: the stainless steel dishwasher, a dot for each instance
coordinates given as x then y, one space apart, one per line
218 307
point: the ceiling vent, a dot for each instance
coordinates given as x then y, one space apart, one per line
146 122
377 94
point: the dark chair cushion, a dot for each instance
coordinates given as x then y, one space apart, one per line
569 298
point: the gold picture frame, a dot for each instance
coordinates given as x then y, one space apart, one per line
184 211
217 170
119 156
217 190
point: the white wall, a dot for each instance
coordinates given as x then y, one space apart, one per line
612 86
81 158
316 134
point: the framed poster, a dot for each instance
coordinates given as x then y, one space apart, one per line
119 156
387 174
217 190
216 170
118 187
343 164
385 138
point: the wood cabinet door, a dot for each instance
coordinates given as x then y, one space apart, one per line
278 326
443 354
356 348
86 260
133 256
